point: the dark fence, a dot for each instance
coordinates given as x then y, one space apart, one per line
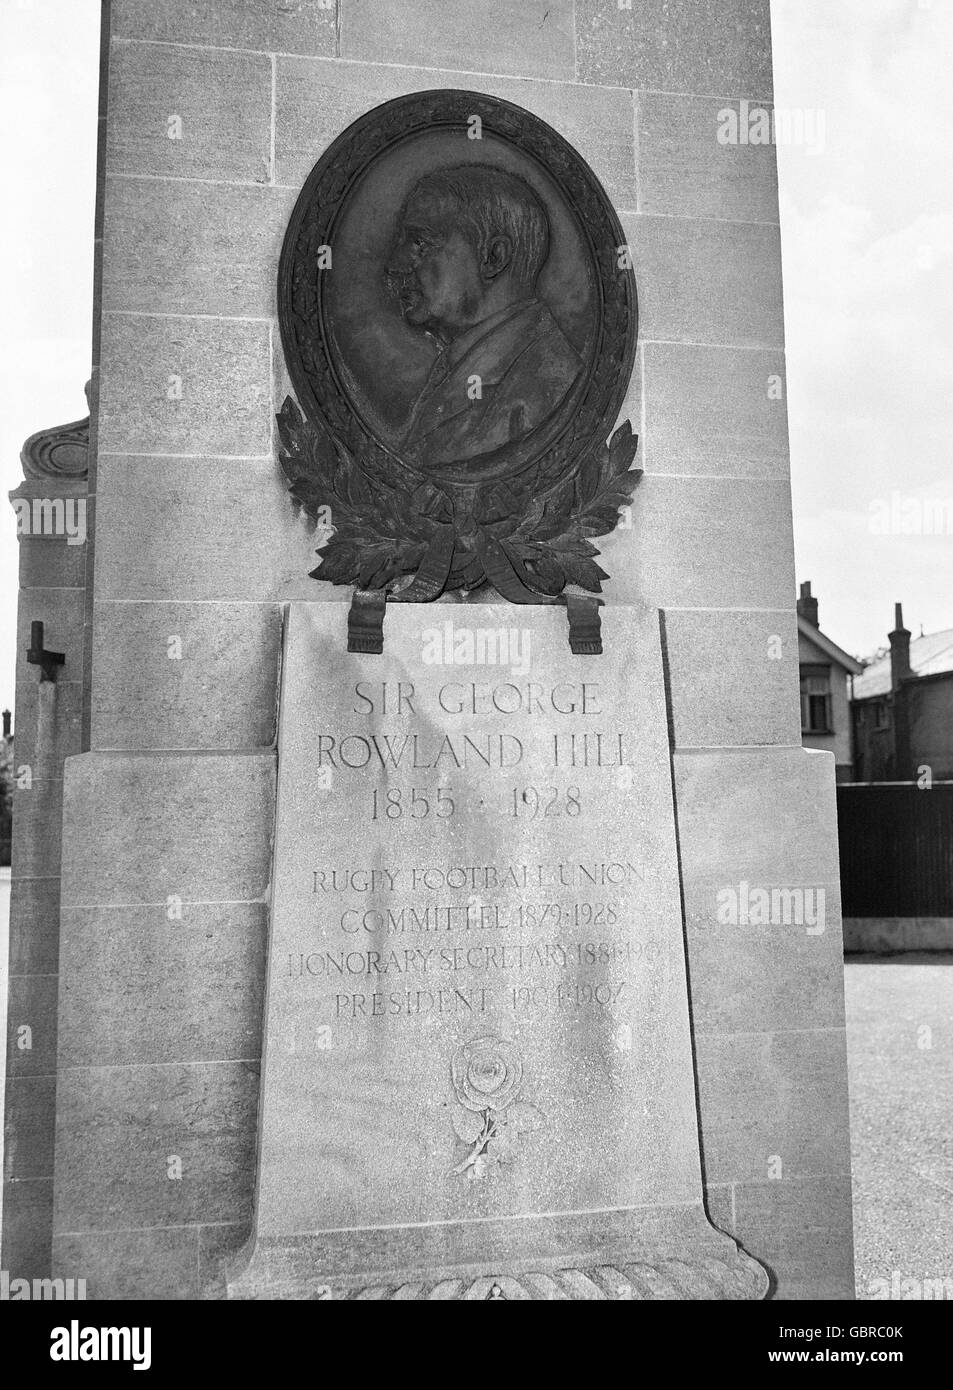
896 849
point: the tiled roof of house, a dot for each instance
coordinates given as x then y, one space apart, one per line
929 655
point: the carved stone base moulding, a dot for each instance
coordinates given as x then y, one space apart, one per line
723 1273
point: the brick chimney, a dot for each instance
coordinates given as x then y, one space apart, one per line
899 649
806 605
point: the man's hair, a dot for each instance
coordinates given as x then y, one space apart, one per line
492 202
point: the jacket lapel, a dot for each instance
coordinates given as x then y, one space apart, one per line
490 358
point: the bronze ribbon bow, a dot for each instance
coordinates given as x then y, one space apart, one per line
431 578
509 576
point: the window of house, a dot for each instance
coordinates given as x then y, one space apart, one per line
816 700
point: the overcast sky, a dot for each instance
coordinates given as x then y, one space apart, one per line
867 233
49 81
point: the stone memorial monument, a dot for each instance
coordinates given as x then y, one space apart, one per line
372 914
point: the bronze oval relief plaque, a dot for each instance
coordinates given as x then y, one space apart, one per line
459 318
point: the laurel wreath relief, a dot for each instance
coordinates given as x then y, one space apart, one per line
529 536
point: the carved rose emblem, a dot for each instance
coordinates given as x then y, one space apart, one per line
487 1074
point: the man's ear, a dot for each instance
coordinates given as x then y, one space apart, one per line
496 257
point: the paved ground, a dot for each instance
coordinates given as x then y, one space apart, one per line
900 1043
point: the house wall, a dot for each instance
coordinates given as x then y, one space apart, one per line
930 712
840 740
168 817
926 704
874 759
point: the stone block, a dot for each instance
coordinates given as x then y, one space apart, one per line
733 821
27 1227
139 986
29 1109
533 39
49 724
218 1248
31 1025
185 386
34 926
773 1103
282 26
133 1265
142 828
51 562
686 171
702 281
120 1129
733 677
633 407
378 1058
757 835
762 978
220 529
721 49
316 100
185 675
800 1228
179 247
700 542
715 411
37 829
189 113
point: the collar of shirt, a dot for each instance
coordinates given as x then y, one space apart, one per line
456 350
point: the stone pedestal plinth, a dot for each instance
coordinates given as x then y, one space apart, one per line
478 1074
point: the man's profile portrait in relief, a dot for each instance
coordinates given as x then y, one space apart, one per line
470 244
